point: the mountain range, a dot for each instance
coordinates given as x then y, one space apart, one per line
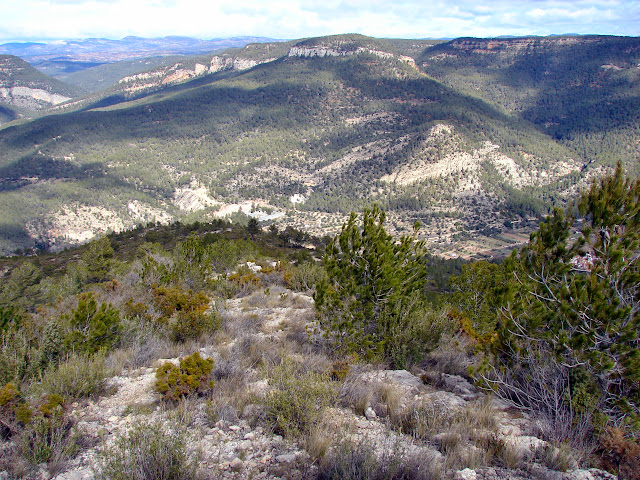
474 138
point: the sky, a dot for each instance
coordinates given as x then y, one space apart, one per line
46 20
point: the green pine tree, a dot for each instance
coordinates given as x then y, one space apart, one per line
373 285
574 303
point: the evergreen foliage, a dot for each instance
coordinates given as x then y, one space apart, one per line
191 377
92 328
373 286
573 308
97 260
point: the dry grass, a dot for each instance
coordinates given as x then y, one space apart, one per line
78 377
229 400
318 440
363 461
466 437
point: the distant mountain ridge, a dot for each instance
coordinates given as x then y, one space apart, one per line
103 49
66 56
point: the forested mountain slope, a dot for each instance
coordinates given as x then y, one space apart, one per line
23 88
582 91
316 128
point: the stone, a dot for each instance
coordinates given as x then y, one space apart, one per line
236 464
591 474
370 413
81 474
446 400
456 384
286 458
466 474
525 444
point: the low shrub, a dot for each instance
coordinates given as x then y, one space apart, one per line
79 377
49 436
19 356
43 432
304 277
14 411
245 280
620 455
191 377
297 399
148 451
360 461
467 437
560 458
184 312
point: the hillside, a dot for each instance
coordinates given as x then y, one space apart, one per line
583 91
204 349
101 76
23 88
303 132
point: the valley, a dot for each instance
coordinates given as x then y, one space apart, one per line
476 139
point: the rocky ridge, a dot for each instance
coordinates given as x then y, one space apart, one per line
233 443
23 87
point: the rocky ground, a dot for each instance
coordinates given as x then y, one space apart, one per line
436 424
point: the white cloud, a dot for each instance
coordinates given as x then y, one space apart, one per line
41 19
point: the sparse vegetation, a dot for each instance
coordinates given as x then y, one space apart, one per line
74 343
297 400
148 451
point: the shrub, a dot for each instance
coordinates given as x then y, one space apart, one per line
51 345
48 437
10 318
245 280
93 328
360 461
190 378
148 451
18 355
304 277
14 412
620 455
184 312
80 376
297 399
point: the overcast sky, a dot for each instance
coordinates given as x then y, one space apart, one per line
24 20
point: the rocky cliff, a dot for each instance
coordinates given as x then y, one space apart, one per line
23 86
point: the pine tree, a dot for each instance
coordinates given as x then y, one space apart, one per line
373 282
575 302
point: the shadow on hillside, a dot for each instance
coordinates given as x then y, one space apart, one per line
44 168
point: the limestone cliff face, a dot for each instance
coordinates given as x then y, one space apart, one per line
30 98
223 63
24 87
337 51
176 73
515 45
179 73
